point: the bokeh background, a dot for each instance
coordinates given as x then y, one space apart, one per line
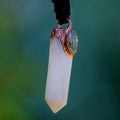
25 27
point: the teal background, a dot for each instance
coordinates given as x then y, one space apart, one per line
25 27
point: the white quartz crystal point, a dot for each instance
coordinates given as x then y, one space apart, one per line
59 70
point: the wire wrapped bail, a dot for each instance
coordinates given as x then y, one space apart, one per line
69 24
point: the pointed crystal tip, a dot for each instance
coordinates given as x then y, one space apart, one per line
55 105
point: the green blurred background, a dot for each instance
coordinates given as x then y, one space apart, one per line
25 27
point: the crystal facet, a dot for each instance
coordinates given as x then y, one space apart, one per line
73 41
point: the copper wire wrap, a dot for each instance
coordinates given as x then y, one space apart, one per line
62 34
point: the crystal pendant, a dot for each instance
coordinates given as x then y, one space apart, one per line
59 70
63 45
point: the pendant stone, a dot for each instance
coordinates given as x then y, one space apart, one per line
73 41
58 77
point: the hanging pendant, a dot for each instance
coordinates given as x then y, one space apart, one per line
63 45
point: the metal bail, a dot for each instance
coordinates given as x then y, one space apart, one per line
64 35
69 24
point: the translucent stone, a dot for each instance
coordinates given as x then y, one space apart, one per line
59 70
73 42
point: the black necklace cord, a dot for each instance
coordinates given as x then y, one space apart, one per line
62 10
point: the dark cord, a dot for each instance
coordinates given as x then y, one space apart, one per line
62 10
